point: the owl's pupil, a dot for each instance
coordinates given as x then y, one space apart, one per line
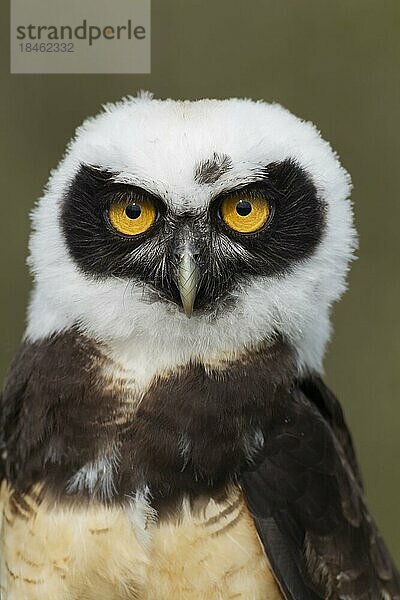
243 208
133 211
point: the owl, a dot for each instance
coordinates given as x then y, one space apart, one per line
166 433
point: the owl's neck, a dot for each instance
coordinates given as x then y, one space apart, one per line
90 433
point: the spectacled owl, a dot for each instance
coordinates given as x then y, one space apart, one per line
166 432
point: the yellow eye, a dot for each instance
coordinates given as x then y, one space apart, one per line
132 216
245 213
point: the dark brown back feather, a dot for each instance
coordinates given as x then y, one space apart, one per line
307 501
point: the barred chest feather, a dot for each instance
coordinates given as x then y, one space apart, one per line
141 488
210 551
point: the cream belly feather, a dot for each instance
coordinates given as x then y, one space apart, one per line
106 553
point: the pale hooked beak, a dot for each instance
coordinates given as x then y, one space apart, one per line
188 279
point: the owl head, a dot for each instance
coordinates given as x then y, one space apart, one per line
192 231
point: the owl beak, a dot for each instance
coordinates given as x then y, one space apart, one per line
187 279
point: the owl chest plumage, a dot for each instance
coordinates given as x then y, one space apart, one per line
132 498
118 554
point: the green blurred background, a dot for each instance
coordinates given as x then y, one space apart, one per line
335 62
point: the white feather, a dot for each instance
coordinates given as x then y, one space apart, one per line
157 144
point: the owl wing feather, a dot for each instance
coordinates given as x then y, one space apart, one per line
306 498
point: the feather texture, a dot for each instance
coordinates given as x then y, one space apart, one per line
206 553
307 501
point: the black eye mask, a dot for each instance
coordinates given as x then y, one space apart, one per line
225 257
